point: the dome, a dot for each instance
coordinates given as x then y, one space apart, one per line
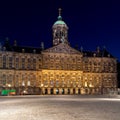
59 21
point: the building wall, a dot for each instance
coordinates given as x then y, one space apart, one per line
57 73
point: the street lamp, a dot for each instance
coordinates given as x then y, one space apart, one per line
23 84
86 84
90 85
9 85
29 88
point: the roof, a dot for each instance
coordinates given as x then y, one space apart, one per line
22 49
59 21
101 53
26 49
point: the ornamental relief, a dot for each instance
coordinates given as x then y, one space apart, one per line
62 48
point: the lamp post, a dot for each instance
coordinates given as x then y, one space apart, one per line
29 88
86 87
23 84
9 86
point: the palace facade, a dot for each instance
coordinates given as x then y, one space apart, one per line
60 69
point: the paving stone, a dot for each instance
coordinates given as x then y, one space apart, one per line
62 107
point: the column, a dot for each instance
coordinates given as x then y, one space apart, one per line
43 91
48 91
71 91
76 90
60 91
66 91
54 91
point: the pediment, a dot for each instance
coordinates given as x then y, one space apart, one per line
62 48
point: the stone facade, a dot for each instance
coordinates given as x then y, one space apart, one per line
60 69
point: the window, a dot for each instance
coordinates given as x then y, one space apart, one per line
17 63
40 66
10 62
9 80
28 63
51 82
23 63
34 63
46 83
57 83
4 61
4 80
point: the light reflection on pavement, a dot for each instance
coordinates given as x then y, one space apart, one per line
62 107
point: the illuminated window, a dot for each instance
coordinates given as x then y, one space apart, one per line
46 83
51 82
57 82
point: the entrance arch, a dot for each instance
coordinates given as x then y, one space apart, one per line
79 92
63 91
51 91
46 91
73 90
86 91
57 91
68 91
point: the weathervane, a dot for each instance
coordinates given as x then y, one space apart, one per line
59 11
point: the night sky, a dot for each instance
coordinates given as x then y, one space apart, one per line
91 23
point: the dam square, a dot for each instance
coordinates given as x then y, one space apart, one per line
58 70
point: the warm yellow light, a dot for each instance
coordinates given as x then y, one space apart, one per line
90 85
85 84
9 85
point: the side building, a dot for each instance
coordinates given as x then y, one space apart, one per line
60 69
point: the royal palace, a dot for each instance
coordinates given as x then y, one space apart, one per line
60 69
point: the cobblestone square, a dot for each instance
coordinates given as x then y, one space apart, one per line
61 107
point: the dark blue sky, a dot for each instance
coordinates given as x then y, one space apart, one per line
91 23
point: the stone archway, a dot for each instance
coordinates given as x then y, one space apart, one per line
46 91
79 91
57 91
68 91
63 91
74 91
51 91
